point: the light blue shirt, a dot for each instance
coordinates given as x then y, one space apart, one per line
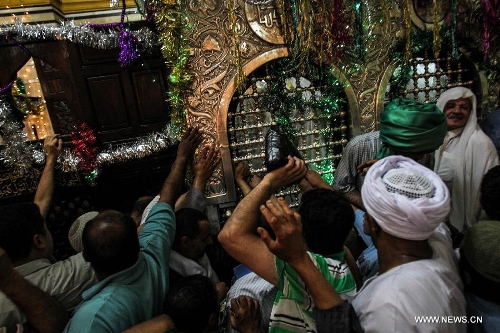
489 313
135 294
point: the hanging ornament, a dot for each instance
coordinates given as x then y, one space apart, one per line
240 74
85 149
17 154
454 13
491 20
437 38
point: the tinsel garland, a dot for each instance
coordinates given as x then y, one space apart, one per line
173 25
335 35
302 28
454 13
408 32
141 147
16 154
240 74
436 36
283 98
358 29
84 34
491 20
85 148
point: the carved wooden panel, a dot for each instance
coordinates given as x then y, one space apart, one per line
108 102
149 89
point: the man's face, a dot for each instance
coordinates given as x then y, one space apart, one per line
457 112
196 246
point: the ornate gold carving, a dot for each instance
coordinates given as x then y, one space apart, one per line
263 20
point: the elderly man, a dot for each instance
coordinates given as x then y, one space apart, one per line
464 157
407 128
418 274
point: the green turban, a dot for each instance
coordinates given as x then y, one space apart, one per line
411 127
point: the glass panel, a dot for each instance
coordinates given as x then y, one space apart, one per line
28 96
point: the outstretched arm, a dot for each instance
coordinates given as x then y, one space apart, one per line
239 236
195 198
44 313
172 188
52 146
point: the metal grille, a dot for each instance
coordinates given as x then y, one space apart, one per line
431 77
320 140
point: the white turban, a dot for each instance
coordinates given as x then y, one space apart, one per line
397 214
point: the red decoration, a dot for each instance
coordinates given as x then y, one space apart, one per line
85 148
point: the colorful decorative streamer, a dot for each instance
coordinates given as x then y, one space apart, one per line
85 35
240 74
85 149
436 39
491 20
16 154
173 25
453 28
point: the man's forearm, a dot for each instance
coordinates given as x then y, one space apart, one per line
45 189
172 187
245 217
43 313
354 197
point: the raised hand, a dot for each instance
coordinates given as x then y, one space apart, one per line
52 146
208 159
288 243
189 142
244 314
293 171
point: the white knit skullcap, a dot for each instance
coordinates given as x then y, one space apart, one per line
76 230
406 199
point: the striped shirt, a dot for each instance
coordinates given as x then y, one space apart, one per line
360 149
293 306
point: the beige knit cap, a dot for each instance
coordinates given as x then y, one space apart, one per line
75 232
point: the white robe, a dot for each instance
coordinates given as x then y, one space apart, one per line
463 165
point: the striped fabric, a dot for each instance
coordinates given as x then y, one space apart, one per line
293 306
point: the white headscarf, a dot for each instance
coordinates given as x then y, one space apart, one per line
473 156
395 213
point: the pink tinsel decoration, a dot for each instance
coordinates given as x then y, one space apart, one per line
491 20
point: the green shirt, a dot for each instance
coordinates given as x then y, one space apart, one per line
293 305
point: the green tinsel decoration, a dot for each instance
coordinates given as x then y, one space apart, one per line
173 24
284 102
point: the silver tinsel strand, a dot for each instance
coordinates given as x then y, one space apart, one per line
142 147
83 34
16 153
19 155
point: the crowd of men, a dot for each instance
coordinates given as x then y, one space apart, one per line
421 192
